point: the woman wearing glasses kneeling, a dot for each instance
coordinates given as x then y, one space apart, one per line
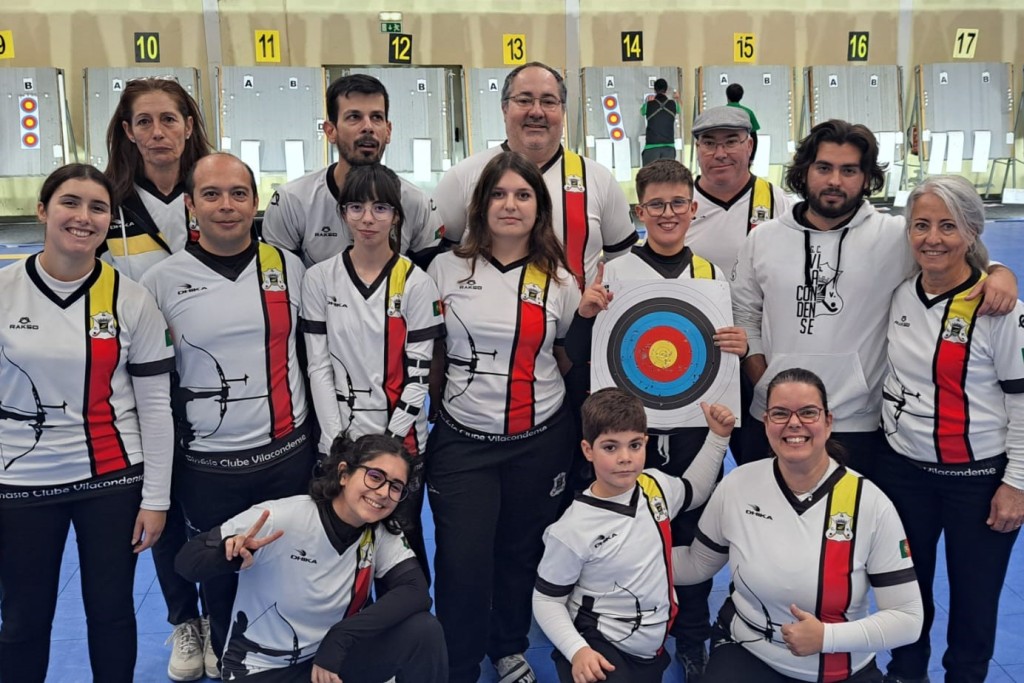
805 538
306 565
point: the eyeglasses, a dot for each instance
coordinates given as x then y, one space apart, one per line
657 207
710 145
807 415
380 210
547 102
375 478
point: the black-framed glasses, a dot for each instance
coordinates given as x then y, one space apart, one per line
807 415
547 102
380 210
710 145
375 478
657 207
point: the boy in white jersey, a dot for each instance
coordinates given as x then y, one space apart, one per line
602 594
665 191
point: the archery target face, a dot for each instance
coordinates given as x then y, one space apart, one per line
656 342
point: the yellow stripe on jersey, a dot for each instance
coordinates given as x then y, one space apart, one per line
762 204
535 285
660 512
844 499
702 268
270 260
101 303
136 244
396 280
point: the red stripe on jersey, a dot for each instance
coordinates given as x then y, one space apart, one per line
531 329
364 573
949 372
659 510
395 332
103 352
576 227
277 319
834 584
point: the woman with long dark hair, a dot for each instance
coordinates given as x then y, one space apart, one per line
500 449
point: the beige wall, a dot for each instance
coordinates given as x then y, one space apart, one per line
80 34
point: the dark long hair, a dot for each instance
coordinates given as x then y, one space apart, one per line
124 162
375 183
545 251
840 133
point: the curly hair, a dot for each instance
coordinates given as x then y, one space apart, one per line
544 249
840 133
124 163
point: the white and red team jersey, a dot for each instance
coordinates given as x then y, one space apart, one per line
240 385
720 228
303 217
642 263
148 227
612 557
589 209
67 404
299 586
949 371
502 324
821 553
369 348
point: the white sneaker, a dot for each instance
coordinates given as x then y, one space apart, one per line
514 669
186 643
209 656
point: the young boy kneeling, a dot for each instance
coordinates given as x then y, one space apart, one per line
604 594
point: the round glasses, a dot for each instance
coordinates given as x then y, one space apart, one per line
379 210
807 415
375 478
657 207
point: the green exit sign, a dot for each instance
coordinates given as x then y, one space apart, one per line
390 27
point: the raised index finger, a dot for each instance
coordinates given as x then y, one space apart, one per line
600 273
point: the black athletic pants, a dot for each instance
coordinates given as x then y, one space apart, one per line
976 561
210 499
491 503
31 547
628 669
412 652
732 663
181 596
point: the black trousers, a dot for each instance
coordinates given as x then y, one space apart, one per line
731 663
931 505
412 652
181 596
628 669
491 504
650 155
210 499
31 546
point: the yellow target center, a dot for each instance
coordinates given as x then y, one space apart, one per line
663 354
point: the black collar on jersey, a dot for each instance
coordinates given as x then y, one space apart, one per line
749 187
548 164
502 268
230 267
366 290
340 534
802 506
669 267
147 185
37 280
332 184
928 301
627 510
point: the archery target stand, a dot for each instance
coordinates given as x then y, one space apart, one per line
655 341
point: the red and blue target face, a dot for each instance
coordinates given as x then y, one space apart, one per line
662 350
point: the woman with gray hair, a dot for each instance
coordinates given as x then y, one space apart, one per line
953 413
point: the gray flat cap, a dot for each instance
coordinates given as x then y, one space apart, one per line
732 118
